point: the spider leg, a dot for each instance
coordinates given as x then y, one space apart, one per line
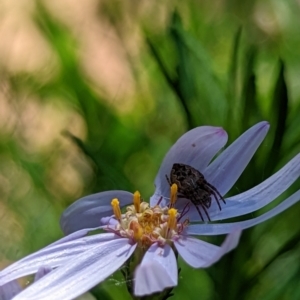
204 208
158 202
199 212
185 210
216 191
168 180
214 194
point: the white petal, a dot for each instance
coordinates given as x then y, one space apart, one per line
157 271
260 195
195 148
88 211
200 254
82 273
224 171
216 229
53 256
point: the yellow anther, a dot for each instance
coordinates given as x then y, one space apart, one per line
116 208
172 221
174 189
137 201
137 230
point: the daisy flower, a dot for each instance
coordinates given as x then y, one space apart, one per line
146 239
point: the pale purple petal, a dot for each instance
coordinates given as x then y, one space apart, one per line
82 273
216 229
252 199
260 195
42 271
75 235
109 221
157 271
88 211
195 148
9 290
53 256
224 171
200 254
12 288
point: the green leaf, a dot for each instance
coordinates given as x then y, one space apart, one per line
250 110
233 69
200 89
280 112
232 92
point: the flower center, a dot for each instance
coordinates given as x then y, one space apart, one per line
147 225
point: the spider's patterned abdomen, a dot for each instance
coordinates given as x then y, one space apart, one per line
193 186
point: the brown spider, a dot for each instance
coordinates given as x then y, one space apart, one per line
193 186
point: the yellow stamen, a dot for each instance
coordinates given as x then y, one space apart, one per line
137 201
116 208
172 221
174 189
137 230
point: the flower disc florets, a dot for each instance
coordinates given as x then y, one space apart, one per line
147 225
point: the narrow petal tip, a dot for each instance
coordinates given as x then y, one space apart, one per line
221 132
263 125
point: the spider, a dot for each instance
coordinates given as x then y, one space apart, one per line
193 186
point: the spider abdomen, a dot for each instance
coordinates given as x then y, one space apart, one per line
193 186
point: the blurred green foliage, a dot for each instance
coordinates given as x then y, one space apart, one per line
225 63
